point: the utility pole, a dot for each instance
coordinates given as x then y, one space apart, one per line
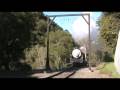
89 44
89 41
48 27
47 60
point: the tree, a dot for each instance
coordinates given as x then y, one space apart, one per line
61 45
18 31
23 41
109 25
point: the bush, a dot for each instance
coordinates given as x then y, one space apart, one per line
110 69
18 32
93 59
22 42
61 44
35 56
95 55
108 57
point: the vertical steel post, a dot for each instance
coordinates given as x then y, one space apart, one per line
48 27
47 60
89 45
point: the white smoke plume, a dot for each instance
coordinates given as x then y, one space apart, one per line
80 28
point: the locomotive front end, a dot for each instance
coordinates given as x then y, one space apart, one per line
78 57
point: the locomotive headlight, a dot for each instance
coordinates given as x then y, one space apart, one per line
76 53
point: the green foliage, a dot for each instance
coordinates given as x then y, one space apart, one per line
95 55
35 56
61 44
110 69
18 31
108 57
23 42
99 53
109 27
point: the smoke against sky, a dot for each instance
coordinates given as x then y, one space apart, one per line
77 25
80 28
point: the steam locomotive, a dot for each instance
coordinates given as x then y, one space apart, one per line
78 57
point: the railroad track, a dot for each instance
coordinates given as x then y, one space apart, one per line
65 73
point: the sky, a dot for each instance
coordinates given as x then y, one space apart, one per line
76 25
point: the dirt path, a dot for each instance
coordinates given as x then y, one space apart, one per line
80 73
85 73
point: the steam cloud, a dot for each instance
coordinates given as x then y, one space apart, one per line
80 28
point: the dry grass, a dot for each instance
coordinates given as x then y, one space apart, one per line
110 69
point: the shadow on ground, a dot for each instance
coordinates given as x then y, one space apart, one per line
29 74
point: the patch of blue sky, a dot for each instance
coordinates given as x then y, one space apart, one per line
66 22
